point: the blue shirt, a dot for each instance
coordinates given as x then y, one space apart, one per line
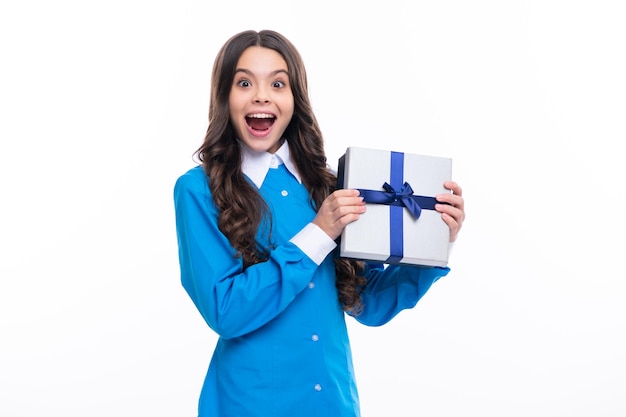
283 347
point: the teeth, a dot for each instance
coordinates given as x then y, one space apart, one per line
260 116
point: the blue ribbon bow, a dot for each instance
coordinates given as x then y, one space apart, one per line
403 197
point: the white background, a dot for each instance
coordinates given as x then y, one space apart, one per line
102 105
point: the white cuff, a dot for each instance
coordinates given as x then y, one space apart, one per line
314 242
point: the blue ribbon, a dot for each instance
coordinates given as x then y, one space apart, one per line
398 195
403 197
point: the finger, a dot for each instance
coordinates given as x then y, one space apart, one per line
345 192
453 225
455 212
351 200
347 209
347 218
454 187
451 199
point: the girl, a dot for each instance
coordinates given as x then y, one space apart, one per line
257 223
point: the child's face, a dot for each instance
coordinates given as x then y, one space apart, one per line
261 102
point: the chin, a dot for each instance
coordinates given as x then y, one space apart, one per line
263 145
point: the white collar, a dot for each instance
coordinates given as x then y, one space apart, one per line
256 164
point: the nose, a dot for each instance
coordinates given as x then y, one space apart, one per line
261 99
261 96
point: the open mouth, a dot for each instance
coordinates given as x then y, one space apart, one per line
260 121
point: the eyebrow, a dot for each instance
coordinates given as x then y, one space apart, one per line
273 73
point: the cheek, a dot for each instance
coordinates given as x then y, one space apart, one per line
232 104
236 99
235 120
234 107
289 107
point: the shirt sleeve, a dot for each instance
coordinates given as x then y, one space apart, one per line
233 302
314 242
394 288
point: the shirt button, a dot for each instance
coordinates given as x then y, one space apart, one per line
284 193
315 338
311 285
318 387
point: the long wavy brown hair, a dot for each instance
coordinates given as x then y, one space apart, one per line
220 155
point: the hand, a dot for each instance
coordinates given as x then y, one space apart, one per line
452 213
338 210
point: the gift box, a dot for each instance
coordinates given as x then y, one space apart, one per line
400 225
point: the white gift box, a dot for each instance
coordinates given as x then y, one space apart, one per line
388 232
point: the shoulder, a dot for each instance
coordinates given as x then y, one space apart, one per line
194 180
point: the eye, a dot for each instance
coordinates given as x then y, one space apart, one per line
243 83
278 84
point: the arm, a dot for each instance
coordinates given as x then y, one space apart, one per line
232 302
393 289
